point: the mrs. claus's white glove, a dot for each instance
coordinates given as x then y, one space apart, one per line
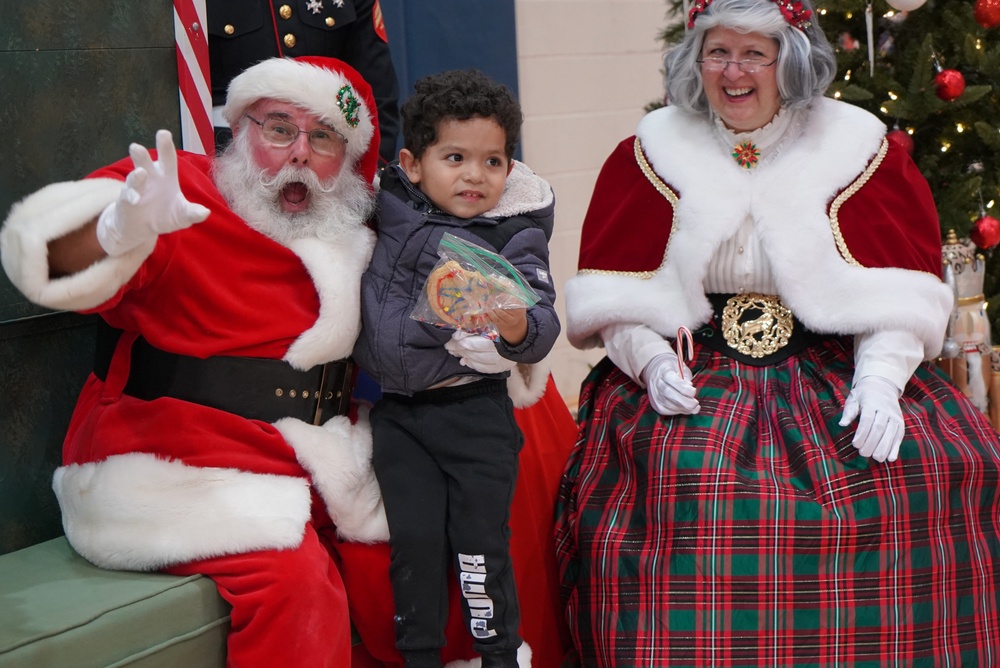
150 203
670 392
478 353
881 428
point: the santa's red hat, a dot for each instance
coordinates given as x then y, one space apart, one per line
329 88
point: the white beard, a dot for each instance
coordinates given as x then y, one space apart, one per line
344 202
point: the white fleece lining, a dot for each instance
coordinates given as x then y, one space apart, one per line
787 199
139 512
53 212
523 192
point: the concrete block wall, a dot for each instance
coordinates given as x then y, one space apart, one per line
586 70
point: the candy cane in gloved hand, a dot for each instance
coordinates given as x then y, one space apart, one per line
668 384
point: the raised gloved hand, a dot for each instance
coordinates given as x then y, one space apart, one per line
881 428
478 353
150 202
670 393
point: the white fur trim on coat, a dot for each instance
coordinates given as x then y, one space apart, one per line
53 212
336 269
523 659
788 200
338 457
305 85
139 512
527 382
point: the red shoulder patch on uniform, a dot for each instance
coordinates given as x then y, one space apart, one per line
379 23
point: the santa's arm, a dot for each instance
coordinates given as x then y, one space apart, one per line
73 245
49 221
75 251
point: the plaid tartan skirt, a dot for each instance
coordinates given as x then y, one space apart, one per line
754 534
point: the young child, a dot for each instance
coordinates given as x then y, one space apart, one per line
445 443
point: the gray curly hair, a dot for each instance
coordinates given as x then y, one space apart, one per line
806 62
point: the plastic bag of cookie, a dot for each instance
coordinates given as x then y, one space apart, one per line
467 281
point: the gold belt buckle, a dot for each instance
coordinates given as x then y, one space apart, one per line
756 335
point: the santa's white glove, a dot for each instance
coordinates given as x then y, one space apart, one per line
670 392
478 353
150 202
881 428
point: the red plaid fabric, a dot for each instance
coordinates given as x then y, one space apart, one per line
753 534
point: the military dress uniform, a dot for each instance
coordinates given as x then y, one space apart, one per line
244 32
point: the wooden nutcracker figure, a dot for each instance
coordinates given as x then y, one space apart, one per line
968 350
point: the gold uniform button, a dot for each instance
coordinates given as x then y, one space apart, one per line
229 29
330 21
285 12
289 40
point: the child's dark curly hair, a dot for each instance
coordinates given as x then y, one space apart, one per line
459 95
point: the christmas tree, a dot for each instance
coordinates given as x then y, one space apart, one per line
933 75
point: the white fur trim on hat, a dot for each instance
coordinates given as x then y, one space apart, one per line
316 89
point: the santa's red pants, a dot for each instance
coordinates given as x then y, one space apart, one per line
289 606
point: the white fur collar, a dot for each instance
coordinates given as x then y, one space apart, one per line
336 268
788 200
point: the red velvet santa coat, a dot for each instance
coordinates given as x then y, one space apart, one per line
149 484
846 220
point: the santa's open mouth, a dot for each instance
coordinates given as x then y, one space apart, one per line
295 193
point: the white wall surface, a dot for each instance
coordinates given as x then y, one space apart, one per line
586 70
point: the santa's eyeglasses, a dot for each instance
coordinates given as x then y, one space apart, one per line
325 141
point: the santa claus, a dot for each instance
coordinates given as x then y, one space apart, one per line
214 435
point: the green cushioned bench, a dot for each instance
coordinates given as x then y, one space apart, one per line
58 610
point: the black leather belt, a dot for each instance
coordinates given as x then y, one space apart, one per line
771 333
252 387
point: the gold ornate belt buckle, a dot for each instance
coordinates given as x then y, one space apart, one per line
756 325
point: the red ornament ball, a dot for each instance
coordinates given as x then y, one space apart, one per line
985 232
949 84
987 13
902 139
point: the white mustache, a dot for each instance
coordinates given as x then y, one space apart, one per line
289 174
